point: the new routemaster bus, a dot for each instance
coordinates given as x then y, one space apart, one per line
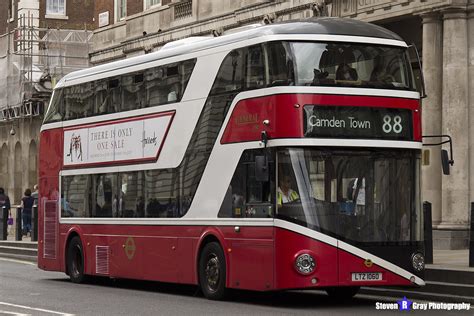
284 156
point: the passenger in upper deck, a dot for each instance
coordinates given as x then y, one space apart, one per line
346 72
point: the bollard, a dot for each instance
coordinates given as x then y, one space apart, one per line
471 238
18 230
428 232
34 223
4 224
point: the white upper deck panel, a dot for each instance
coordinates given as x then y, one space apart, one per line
324 29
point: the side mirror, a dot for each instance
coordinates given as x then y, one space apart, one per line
262 173
445 161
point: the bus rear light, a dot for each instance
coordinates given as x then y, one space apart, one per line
305 263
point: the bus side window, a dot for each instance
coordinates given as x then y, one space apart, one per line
161 193
280 64
173 85
56 109
114 97
133 92
186 69
103 194
154 86
246 196
229 78
100 97
128 200
255 68
74 196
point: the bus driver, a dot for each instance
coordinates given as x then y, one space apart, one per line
285 194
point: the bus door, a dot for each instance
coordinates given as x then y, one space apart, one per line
250 201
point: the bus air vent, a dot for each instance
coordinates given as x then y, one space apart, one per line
50 228
102 260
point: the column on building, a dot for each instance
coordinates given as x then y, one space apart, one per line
470 33
432 52
455 122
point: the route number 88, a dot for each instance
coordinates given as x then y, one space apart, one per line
394 125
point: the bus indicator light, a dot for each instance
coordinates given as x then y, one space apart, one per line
368 263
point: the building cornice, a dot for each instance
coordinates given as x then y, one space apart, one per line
454 13
243 16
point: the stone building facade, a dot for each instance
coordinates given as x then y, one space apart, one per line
40 41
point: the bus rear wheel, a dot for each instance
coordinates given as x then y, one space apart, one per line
212 271
75 260
342 293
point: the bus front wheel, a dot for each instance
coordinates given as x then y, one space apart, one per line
212 271
75 260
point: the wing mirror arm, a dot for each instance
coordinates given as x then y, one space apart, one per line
446 162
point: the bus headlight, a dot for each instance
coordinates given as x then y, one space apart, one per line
305 263
418 261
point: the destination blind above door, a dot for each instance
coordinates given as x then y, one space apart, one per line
357 122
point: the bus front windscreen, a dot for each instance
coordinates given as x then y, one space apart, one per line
359 196
351 65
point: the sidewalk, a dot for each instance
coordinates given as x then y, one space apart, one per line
451 259
11 237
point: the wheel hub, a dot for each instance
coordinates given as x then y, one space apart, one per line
212 272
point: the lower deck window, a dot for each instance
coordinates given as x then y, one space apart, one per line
151 193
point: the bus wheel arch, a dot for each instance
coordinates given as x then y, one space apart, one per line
212 268
75 258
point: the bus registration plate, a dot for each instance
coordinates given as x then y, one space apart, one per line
366 276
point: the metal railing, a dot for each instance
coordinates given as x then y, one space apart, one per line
17 223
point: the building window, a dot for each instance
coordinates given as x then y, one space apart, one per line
120 9
56 7
152 3
11 10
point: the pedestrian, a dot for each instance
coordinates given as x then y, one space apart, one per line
4 200
5 204
27 205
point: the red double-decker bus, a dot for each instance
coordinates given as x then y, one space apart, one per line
284 156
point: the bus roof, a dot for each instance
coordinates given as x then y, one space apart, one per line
323 26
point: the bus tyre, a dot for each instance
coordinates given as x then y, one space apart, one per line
75 260
342 293
212 271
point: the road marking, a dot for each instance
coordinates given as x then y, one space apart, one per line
13 313
35 309
18 261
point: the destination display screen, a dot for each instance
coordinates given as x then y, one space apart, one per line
357 122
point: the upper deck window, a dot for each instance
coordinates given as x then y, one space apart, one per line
151 87
281 63
351 65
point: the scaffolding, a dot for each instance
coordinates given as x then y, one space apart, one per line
32 60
